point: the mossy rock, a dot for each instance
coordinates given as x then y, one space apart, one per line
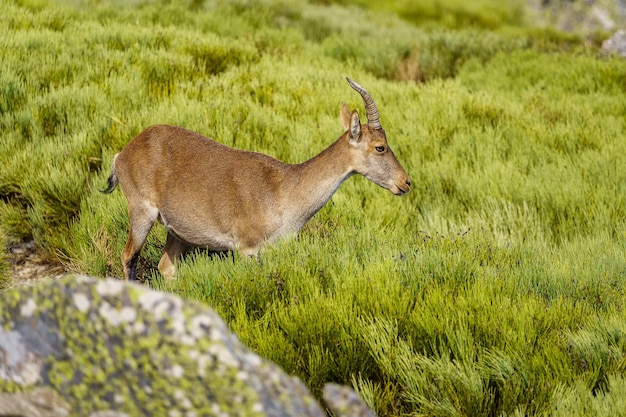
91 346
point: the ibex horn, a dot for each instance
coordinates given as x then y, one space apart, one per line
373 119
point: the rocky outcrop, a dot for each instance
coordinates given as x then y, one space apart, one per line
580 15
585 17
616 44
87 347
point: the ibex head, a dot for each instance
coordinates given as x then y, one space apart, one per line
374 160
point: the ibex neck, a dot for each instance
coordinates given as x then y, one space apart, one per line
316 180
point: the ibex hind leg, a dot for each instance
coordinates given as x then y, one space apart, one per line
142 219
174 247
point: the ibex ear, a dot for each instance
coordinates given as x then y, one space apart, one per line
345 116
355 127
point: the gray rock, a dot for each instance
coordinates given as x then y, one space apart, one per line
582 16
104 348
342 401
40 402
616 44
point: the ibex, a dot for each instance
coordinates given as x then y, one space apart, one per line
213 196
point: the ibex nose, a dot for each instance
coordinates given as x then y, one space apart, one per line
403 188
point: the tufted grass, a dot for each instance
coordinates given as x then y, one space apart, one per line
4 265
494 288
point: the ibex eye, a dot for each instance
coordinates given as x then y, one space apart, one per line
380 149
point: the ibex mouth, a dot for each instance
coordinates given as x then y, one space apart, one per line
401 190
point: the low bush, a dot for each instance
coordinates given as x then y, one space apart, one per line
493 288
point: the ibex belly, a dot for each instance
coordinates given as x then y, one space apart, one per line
244 232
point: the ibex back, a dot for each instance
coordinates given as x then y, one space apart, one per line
213 196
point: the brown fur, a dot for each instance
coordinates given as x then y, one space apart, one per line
210 195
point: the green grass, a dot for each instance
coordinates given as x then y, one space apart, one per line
496 287
4 265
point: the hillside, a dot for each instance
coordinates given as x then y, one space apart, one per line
495 287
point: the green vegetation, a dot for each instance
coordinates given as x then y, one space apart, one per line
496 287
4 265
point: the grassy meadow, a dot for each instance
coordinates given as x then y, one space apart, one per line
496 287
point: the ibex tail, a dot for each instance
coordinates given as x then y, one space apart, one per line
112 181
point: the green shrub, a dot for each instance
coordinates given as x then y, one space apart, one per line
4 263
493 288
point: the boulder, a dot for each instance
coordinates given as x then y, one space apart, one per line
582 16
105 348
616 44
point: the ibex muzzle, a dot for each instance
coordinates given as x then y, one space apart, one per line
213 196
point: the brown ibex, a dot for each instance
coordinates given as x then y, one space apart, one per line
213 196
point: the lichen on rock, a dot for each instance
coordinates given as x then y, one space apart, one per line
105 346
